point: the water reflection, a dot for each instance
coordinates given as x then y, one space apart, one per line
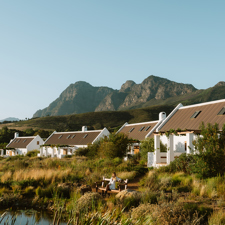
26 217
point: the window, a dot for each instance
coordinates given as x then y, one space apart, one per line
142 128
37 142
73 136
68 136
185 146
24 140
195 114
131 129
147 128
60 136
85 135
18 141
222 111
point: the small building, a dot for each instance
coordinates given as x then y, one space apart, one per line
139 132
22 145
185 121
60 144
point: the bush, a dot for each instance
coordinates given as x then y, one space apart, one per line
82 151
218 217
181 164
89 201
29 190
149 197
141 211
209 148
45 192
32 153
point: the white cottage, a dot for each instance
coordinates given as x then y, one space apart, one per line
185 120
60 144
22 145
140 131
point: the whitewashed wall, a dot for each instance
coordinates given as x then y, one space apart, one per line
33 145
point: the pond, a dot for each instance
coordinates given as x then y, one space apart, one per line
26 217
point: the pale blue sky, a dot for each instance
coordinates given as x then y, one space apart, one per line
46 45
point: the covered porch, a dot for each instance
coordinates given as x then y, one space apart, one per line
57 152
158 158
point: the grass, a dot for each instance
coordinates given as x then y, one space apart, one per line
164 198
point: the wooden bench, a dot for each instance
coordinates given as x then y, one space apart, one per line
101 186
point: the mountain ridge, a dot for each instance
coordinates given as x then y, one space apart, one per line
82 97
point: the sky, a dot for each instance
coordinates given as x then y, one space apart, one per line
46 45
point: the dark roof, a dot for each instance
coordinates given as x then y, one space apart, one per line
72 138
20 142
138 130
191 117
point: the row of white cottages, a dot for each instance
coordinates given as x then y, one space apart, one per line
184 119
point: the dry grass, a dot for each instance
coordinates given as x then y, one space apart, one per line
127 175
6 176
49 175
217 218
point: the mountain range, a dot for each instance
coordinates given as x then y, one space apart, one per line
81 97
9 119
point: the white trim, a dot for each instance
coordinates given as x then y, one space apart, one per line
136 124
122 127
88 131
105 129
169 116
153 129
202 104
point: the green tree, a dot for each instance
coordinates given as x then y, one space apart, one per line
147 145
114 146
210 151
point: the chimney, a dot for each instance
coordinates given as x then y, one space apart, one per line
84 128
162 116
16 135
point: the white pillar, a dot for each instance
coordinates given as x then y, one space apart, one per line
41 151
170 150
157 148
53 152
190 137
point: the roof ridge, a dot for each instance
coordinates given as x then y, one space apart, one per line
133 124
202 104
78 131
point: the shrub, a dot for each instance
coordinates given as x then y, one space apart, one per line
151 181
29 190
209 148
82 151
149 197
32 153
141 211
45 192
217 217
89 201
127 175
117 161
181 164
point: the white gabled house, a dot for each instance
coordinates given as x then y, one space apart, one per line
185 121
22 145
139 132
60 144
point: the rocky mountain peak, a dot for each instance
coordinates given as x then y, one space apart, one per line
221 83
126 87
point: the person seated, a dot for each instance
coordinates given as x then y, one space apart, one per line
112 183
